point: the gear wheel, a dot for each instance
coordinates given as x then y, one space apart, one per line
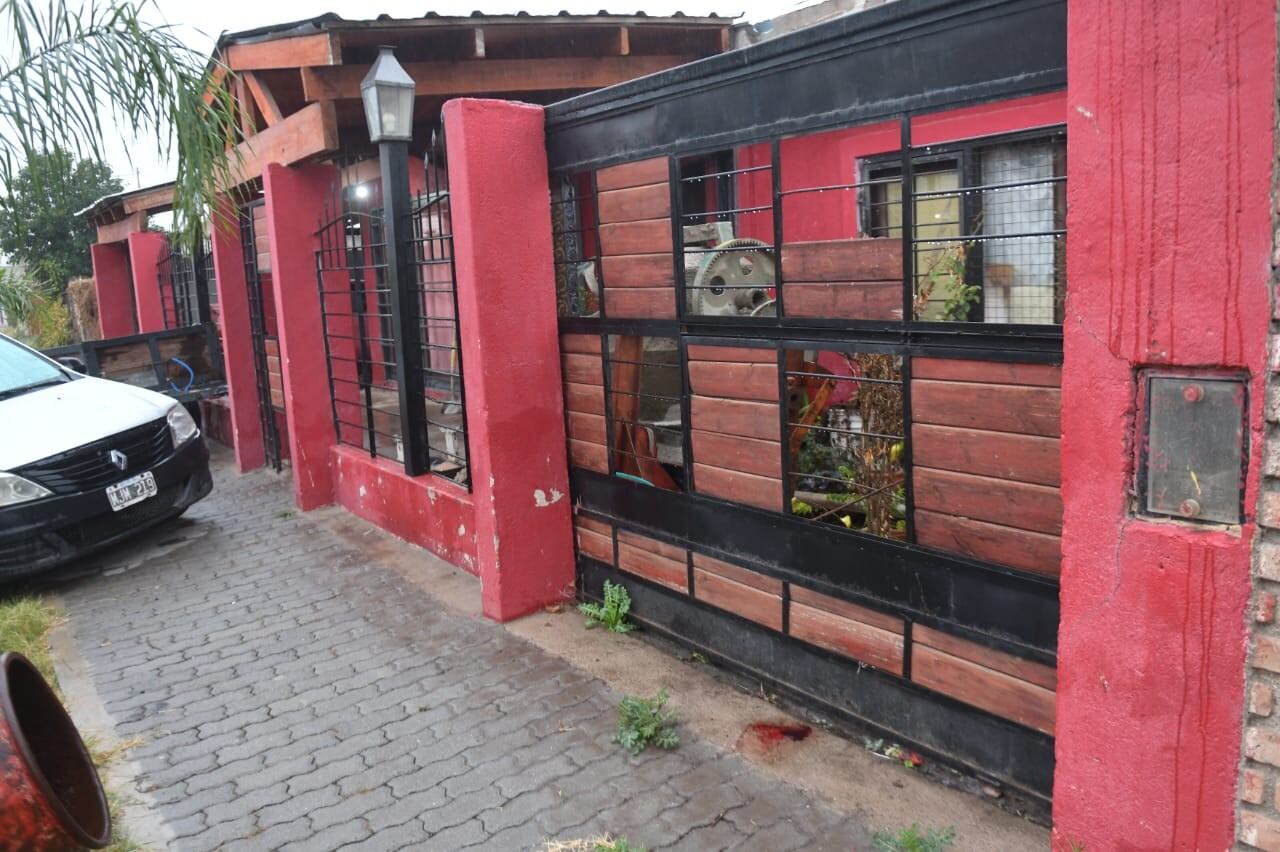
733 280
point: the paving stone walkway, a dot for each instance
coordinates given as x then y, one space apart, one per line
290 694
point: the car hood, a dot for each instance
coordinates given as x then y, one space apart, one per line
58 418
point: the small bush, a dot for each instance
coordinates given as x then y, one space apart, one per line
914 839
613 613
643 722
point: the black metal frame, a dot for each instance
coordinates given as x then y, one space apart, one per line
258 336
181 277
842 73
356 235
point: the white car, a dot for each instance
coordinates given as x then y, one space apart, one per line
86 462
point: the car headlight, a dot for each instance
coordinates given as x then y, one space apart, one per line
14 490
181 426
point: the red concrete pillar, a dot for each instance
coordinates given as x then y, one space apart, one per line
1170 142
295 198
237 338
113 285
146 248
510 354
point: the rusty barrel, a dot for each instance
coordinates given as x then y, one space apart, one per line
50 795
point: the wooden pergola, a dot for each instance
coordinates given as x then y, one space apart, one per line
298 84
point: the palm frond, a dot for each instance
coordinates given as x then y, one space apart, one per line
70 66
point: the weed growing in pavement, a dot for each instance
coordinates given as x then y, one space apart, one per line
914 839
613 612
603 843
643 722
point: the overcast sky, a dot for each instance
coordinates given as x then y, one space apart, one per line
199 23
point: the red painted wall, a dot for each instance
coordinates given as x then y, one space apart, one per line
510 354
245 423
1169 167
145 250
295 195
427 511
113 285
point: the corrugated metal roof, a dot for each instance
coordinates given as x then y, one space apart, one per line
334 21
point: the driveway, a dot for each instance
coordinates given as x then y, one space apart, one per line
289 690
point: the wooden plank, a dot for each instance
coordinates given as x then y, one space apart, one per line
594 545
590 456
734 381
700 352
117 231
732 452
737 573
288 52
739 599
985 372
759 491
872 259
600 527
665 572
263 98
846 609
241 97
648 236
854 639
637 173
582 369
639 202
993 691
150 200
492 76
735 417
1023 669
1030 551
638 270
586 427
588 399
646 303
1005 455
581 344
998 408
999 501
880 300
309 132
652 545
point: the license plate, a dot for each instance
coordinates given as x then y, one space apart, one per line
131 491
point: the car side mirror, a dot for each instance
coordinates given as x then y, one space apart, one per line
73 363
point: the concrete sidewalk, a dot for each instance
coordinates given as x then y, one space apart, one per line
293 686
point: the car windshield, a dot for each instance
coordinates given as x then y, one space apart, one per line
21 370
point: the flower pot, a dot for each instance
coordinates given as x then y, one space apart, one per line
50 795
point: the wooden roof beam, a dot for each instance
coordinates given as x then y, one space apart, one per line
263 98
290 52
309 132
117 231
470 77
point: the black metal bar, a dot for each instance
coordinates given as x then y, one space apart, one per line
908 471
908 215
599 253
775 152
677 236
394 163
686 423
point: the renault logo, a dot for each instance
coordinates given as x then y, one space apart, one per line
119 459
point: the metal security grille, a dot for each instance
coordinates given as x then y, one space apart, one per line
262 330
178 273
436 284
369 386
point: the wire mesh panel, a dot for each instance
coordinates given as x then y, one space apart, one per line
645 414
575 235
436 285
727 233
846 434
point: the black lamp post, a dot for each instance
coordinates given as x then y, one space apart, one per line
387 91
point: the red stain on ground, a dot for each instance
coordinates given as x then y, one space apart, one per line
763 739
